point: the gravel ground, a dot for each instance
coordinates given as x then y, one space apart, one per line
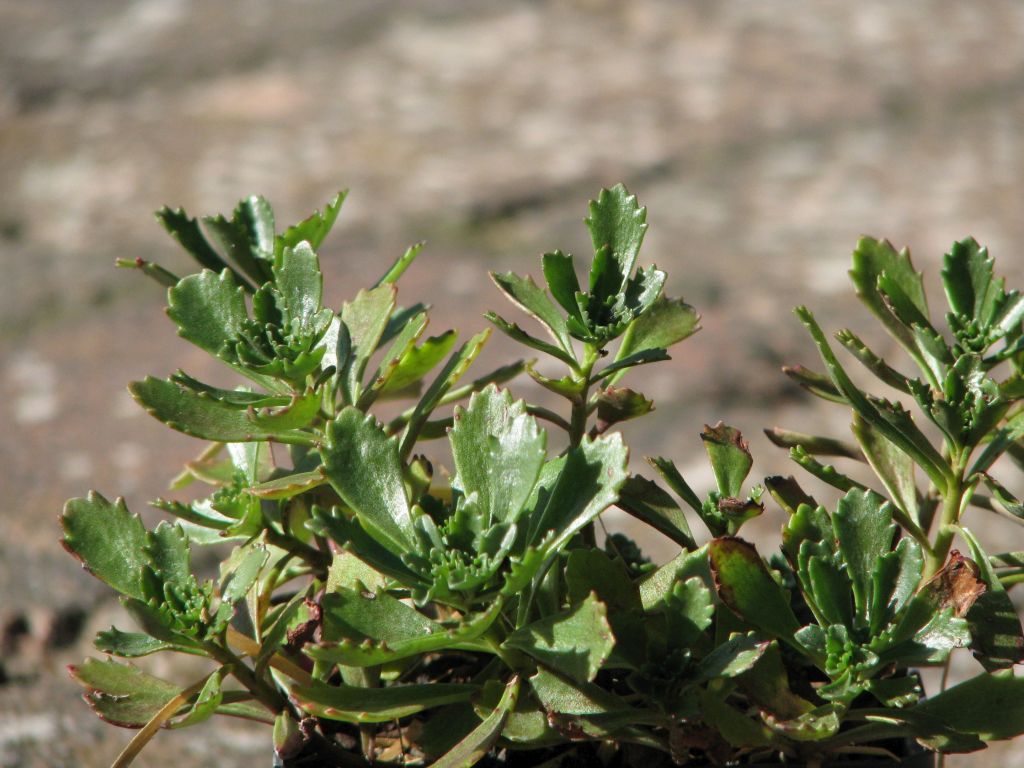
764 139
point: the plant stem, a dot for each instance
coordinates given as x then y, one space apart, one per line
580 407
952 505
264 693
317 560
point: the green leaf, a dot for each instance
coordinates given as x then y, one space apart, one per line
643 357
735 727
473 747
313 229
968 279
815 383
453 370
592 571
825 472
560 275
297 278
241 572
874 259
533 300
200 416
588 484
905 436
689 609
616 222
130 645
498 451
656 587
400 348
767 684
566 697
646 501
108 539
787 493
893 467
744 584
207 700
617 404
247 238
208 308
365 318
355 704
287 486
401 264
735 656
514 332
567 386
814 444
575 642
363 466
351 535
419 361
349 572
122 694
667 322
885 373
1004 499
377 616
256 218
377 649
864 528
671 475
997 637
169 555
830 588
730 457
186 231
991 706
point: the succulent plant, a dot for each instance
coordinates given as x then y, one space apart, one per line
374 609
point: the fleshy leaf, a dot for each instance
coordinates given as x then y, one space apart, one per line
991 706
498 451
122 694
419 361
616 222
200 416
313 229
208 308
186 231
363 466
646 501
475 745
863 525
532 299
744 584
560 275
297 278
109 540
587 485
365 318
730 457
355 704
575 642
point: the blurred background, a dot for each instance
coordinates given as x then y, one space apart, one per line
763 137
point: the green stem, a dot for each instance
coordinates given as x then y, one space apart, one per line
580 406
267 695
317 560
957 491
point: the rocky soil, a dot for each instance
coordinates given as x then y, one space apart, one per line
764 138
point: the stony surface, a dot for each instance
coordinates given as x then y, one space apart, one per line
763 137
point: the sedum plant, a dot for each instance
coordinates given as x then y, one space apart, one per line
424 584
